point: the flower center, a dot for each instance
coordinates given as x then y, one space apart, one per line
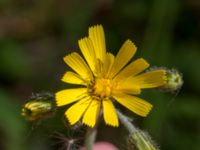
102 87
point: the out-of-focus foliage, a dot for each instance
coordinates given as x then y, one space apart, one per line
35 35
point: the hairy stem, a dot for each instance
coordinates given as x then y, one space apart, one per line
90 138
91 134
126 122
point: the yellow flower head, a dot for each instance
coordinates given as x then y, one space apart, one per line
105 78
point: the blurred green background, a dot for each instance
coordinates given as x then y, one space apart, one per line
36 34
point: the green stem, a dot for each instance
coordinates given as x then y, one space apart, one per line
90 138
126 122
137 138
91 134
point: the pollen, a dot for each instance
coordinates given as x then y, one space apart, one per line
102 88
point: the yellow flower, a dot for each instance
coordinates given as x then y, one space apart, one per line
105 79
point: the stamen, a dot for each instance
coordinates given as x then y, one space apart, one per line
102 87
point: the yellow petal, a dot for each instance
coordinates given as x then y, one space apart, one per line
109 113
111 59
96 34
73 78
75 112
108 64
124 55
87 49
126 87
135 104
68 96
76 62
98 69
150 79
91 114
132 69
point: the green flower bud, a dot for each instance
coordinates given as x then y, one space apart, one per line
174 80
39 107
140 140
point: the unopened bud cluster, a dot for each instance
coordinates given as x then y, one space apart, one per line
39 107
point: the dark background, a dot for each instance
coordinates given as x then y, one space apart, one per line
35 35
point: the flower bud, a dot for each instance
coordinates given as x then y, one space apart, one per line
39 107
174 81
140 140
